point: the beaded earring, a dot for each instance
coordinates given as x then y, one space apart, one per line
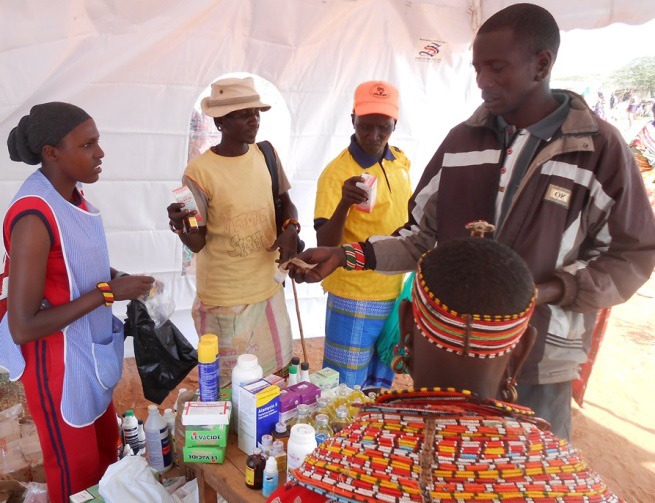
400 360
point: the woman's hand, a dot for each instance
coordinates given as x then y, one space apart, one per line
131 287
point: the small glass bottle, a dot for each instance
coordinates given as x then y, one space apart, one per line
341 396
357 395
255 469
304 372
323 407
270 478
279 454
322 429
267 445
342 420
281 433
303 416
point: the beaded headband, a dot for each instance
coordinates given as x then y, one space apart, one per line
475 335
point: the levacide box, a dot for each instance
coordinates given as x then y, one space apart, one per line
326 378
259 409
370 186
202 413
211 435
289 401
307 392
204 454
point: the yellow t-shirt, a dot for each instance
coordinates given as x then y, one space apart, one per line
234 267
389 213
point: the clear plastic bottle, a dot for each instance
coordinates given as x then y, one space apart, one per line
158 441
304 372
303 416
169 417
342 420
270 477
323 407
323 431
255 469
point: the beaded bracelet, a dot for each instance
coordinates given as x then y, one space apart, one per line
105 289
355 259
175 229
291 221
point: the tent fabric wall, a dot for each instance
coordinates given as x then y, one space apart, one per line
139 67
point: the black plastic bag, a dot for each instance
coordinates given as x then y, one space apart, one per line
163 355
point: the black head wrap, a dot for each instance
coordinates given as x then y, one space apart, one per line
46 124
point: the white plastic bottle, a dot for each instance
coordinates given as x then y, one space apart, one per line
180 391
270 477
304 372
169 417
246 370
142 439
158 441
131 430
301 442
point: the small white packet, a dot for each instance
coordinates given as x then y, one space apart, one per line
370 186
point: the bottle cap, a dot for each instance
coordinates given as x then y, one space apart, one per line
303 433
280 427
295 360
278 445
304 366
248 361
267 439
256 451
321 418
303 409
271 464
129 413
342 411
152 408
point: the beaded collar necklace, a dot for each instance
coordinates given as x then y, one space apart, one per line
475 335
448 446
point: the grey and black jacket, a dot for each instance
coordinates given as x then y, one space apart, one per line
580 213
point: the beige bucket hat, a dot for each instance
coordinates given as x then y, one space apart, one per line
229 95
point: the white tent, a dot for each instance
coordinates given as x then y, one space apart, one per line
138 67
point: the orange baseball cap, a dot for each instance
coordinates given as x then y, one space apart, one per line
376 97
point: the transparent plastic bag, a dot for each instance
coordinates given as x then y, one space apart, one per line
159 303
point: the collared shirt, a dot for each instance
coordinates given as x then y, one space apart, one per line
520 148
364 159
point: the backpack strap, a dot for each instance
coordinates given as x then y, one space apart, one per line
271 163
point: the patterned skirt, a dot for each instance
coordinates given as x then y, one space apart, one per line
351 329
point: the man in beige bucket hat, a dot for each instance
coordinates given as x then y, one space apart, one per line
239 238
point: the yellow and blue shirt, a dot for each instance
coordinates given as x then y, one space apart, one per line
389 213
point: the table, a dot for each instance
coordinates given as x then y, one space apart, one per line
229 478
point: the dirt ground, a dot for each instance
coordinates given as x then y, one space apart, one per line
615 428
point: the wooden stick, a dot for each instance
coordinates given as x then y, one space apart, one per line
302 335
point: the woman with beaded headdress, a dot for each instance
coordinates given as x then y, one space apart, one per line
449 439
57 333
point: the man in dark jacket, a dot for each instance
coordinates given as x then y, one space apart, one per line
561 187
